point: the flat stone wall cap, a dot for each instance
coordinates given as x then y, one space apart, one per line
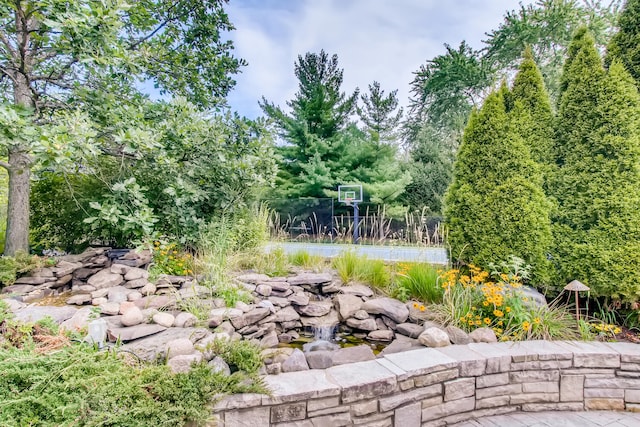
587 347
625 348
461 353
294 386
501 349
238 401
546 349
421 361
356 374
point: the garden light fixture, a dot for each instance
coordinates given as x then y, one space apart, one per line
576 286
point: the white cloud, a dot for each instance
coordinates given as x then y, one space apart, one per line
379 40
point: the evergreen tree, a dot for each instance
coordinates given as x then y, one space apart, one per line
626 43
495 206
597 225
379 113
531 111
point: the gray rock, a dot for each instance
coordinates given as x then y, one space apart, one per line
148 289
79 320
265 303
244 307
83 273
179 346
309 279
535 298
14 305
105 279
117 294
330 319
253 316
35 313
30 280
164 319
253 278
18 289
136 273
214 321
131 333
355 354
42 272
320 359
62 281
154 347
279 302
434 337
279 286
183 363
137 283
100 293
409 329
364 325
217 364
270 340
347 305
134 296
296 362
64 268
457 335
384 336
110 308
287 314
361 315
483 335
392 308
294 324
299 299
79 299
315 308
185 320
157 301
332 287
133 316
83 288
357 290
400 345
99 301
264 290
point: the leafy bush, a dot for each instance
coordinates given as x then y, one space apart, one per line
13 267
231 293
419 281
350 266
168 258
243 355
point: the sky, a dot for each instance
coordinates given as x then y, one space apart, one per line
381 40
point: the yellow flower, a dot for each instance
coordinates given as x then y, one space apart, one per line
536 320
498 313
487 321
422 308
617 330
415 305
507 309
485 303
478 322
526 325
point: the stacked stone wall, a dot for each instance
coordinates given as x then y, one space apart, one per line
438 387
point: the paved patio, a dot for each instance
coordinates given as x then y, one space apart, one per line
557 419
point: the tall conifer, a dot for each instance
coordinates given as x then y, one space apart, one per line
597 224
625 45
495 206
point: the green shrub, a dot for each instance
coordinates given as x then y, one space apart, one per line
350 266
418 281
243 355
346 264
305 260
13 267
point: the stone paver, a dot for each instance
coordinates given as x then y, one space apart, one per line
557 419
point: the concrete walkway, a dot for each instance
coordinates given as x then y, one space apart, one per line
557 419
386 253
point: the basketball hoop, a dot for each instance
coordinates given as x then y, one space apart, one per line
348 201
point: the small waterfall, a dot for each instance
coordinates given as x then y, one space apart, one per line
324 333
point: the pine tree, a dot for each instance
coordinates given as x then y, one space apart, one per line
531 112
625 44
495 206
380 114
597 228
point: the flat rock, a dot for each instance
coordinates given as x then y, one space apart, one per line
315 308
140 282
14 305
79 320
64 268
357 290
35 313
330 319
399 346
110 308
384 336
18 289
30 280
249 318
83 273
226 313
434 337
299 299
42 272
62 281
185 320
309 279
296 362
130 333
152 347
287 314
392 308
410 330
355 354
263 290
347 304
279 286
364 325
179 346
79 299
253 278
135 273
105 279
269 340
157 301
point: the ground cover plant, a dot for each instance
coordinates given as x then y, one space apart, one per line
51 379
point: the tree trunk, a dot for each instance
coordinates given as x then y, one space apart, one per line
17 237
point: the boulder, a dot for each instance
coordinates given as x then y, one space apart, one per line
148 289
286 314
217 364
134 296
347 305
185 320
364 325
183 363
133 316
29 280
357 290
263 290
315 308
299 299
226 313
157 301
137 283
434 337
64 268
409 329
136 273
385 336
62 281
457 335
483 335
320 359
179 346
18 289
279 286
83 273
270 340
163 319
105 279
361 315
392 308
296 362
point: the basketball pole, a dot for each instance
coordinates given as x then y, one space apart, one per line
356 223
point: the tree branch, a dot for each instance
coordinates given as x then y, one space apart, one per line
7 44
5 165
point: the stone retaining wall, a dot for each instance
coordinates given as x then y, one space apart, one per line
437 387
